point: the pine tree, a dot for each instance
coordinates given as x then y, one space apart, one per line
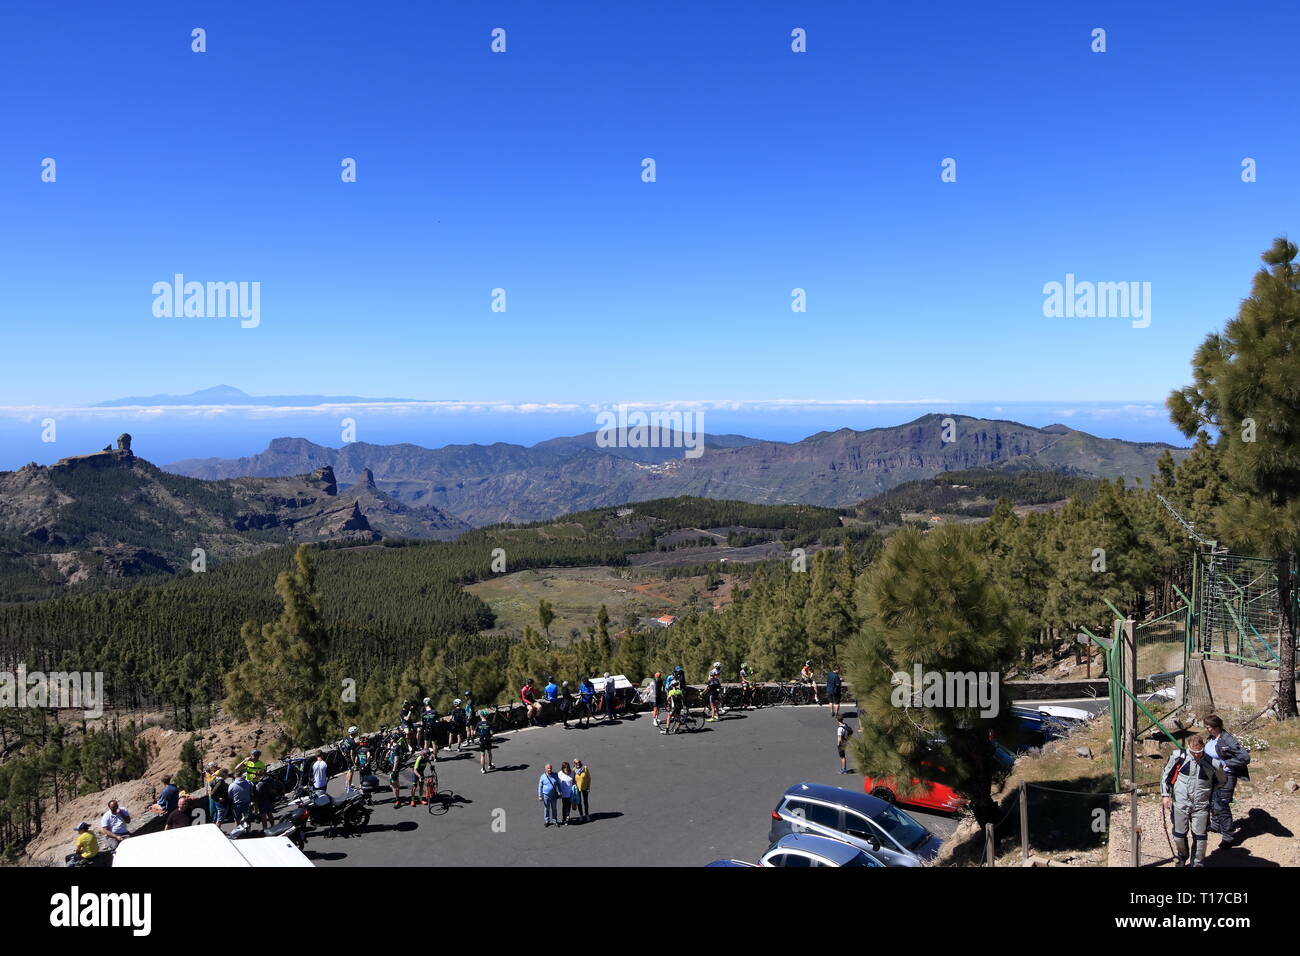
1246 386
285 663
931 600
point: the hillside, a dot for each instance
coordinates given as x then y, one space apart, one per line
488 484
108 517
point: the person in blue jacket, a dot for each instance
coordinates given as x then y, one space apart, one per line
548 792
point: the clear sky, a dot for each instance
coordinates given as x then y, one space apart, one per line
522 170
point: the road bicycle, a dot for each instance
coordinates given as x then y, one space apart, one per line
437 801
686 722
294 776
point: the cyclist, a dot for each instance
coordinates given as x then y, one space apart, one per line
429 727
834 688
407 721
423 764
675 700
565 703
660 696
254 768
484 733
587 694
746 686
394 757
350 747
471 715
532 706
713 690
806 677
459 726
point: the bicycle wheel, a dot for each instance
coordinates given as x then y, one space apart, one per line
439 800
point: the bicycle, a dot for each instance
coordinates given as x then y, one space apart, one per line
786 693
438 801
686 722
296 774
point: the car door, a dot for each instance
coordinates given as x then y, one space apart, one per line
862 831
811 816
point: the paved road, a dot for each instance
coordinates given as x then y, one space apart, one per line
656 801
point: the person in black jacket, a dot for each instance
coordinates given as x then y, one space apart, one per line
1234 760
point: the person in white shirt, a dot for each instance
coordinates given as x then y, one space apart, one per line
566 792
320 772
115 823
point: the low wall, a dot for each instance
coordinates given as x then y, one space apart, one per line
1214 685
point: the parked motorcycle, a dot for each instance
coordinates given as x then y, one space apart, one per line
347 812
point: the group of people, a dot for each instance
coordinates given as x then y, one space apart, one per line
1197 787
565 791
579 706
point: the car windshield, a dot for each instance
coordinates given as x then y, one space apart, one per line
905 831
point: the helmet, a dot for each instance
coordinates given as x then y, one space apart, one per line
677 669
807 663
564 683
456 702
352 730
255 753
426 700
606 673
717 663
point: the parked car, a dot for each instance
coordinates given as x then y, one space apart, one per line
875 826
808 849
932 791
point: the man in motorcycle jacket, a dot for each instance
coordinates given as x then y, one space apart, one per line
1186 784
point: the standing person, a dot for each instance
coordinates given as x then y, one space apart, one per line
219 794
582 789
484 732
351 748
807 676
1233 760
428 723
660 697
166 802
394 758
406 720
532 706
842 734
209 781
566 792
320 773
254 768
587 694
459 726
264 797
1186 785
115 823
566 703
834 689
548 791
713 690
241 799
610 691
419 768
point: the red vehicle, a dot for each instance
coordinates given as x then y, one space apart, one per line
931 796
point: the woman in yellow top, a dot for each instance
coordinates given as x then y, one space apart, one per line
582 789
87 846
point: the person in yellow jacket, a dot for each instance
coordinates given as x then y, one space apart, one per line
582 789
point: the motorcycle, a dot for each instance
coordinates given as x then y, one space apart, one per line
347 812
293 826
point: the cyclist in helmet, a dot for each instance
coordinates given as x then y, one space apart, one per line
676 700
350 747
459 725
429 727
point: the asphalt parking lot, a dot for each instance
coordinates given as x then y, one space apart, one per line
656 800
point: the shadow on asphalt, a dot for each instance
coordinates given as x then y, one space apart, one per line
513 766
329 857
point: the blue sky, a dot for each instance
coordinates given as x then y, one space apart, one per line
522 170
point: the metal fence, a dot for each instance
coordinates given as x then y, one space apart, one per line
1237 613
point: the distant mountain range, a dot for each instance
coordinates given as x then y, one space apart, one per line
229 395
110 514
487 484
